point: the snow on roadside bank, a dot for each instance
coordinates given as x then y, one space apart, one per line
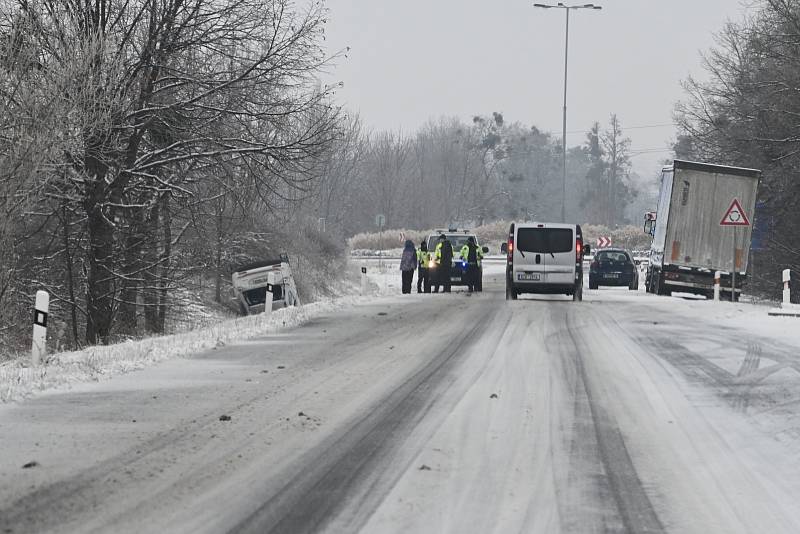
19 381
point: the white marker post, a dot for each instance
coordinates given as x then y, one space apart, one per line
717 276
787 277
268 298
39 349
363 281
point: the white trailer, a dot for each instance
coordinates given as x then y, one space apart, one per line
264 286
695 233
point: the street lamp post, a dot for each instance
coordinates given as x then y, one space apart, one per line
566 9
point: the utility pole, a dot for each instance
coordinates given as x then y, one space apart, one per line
567 9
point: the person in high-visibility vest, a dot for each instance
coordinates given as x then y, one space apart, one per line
423 276
473 256
443 256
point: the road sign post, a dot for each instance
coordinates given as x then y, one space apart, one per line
363 281
380 221
735 216
733 272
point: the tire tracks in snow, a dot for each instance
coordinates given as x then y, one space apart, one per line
635 509
135 475
334 470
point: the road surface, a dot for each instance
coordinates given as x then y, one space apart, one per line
428 413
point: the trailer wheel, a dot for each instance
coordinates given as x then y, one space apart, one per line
661 287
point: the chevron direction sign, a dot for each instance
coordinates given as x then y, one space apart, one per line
603 242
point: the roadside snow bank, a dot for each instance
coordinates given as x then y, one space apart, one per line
19 381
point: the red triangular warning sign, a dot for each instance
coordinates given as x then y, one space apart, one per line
735 216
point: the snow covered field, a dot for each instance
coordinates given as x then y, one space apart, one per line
425 413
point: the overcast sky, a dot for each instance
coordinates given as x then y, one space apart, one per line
412 60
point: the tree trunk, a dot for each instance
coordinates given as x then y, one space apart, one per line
100 285
69 275
126 314
151 291
218 259
165 257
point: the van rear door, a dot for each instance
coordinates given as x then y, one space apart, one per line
529 259
545 254
561 255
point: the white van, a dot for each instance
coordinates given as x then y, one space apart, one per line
545 258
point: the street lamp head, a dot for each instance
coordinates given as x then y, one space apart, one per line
564 6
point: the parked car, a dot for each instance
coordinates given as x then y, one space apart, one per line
545 258
613 267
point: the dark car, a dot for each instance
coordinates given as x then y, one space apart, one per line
613 267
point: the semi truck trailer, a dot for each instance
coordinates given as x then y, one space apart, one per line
703 224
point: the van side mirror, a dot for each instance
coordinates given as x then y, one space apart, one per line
485 250
504 248
587 250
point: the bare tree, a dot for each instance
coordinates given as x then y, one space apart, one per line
159 95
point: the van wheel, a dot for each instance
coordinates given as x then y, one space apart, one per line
511 293
577 296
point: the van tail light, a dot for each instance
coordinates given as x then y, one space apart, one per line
578 250
510 249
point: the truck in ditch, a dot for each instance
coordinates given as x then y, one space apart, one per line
264 286
702 225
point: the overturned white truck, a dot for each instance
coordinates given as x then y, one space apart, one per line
264 286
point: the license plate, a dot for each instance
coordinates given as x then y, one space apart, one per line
528 276
455 278
611 275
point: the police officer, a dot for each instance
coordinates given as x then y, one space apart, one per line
423 276
443 256
473 256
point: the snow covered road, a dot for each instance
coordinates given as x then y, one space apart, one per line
433 413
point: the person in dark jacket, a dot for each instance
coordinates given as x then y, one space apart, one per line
408 264
443 256
473 256
423 259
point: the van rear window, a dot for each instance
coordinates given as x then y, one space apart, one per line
545 240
